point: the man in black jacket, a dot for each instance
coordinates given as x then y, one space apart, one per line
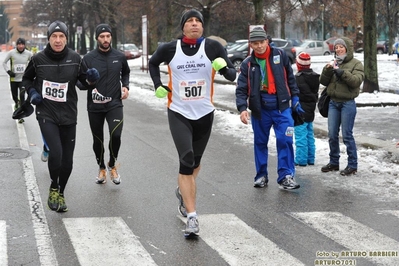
104 102
50 80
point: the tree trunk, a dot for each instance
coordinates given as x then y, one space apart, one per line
258 6
370 48
282 18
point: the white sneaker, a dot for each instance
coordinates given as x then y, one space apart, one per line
113 174
181 208
102 176
192 227
289 183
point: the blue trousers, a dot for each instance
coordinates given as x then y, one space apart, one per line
305 147
342 115
283 126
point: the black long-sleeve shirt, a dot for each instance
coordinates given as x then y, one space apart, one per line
165 53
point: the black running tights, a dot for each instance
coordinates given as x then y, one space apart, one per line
61 142
15 86
114 119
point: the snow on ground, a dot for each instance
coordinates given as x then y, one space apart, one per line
378 170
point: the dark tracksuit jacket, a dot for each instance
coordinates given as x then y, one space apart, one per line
114 74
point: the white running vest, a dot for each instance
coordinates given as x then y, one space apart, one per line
191 82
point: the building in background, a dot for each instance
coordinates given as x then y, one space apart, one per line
14 29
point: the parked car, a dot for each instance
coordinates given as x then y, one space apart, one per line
236 44
130 50
382 47
295 42
330 42
314 48
287 46
238 53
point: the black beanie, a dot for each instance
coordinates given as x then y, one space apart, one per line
57 26
21 41
103 28
189 14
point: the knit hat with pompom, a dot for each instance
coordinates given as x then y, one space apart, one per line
303 61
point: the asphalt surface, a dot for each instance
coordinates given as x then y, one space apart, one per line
146 204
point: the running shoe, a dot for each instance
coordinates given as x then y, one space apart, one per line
181 208
113 174
102 176
261 182
53 199
192 227
44 156
289 183
61 203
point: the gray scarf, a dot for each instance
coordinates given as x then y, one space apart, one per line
340 59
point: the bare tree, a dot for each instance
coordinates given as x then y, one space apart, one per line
370 48
388 11
284 9
258 7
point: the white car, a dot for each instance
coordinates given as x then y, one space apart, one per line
313 48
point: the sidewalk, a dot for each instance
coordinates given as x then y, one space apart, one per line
375 127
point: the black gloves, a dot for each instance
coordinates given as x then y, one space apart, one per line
10 73
338 72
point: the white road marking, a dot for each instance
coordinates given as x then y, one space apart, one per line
351 234
394 213
3 244
239 244
42 233
105 241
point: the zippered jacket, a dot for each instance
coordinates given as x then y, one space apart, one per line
248 90
114 74
54 76
346 87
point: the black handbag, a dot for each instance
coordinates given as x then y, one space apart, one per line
322 104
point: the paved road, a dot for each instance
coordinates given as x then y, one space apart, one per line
136 223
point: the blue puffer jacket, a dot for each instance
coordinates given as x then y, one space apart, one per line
248 88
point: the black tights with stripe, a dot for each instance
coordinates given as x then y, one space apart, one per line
114 120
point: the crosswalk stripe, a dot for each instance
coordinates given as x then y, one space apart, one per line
351 234
105 241
3 243
239 244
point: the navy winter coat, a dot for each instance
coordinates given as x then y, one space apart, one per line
249 82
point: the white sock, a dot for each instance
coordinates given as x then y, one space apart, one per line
191 214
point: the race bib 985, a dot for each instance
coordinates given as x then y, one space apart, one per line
55 91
